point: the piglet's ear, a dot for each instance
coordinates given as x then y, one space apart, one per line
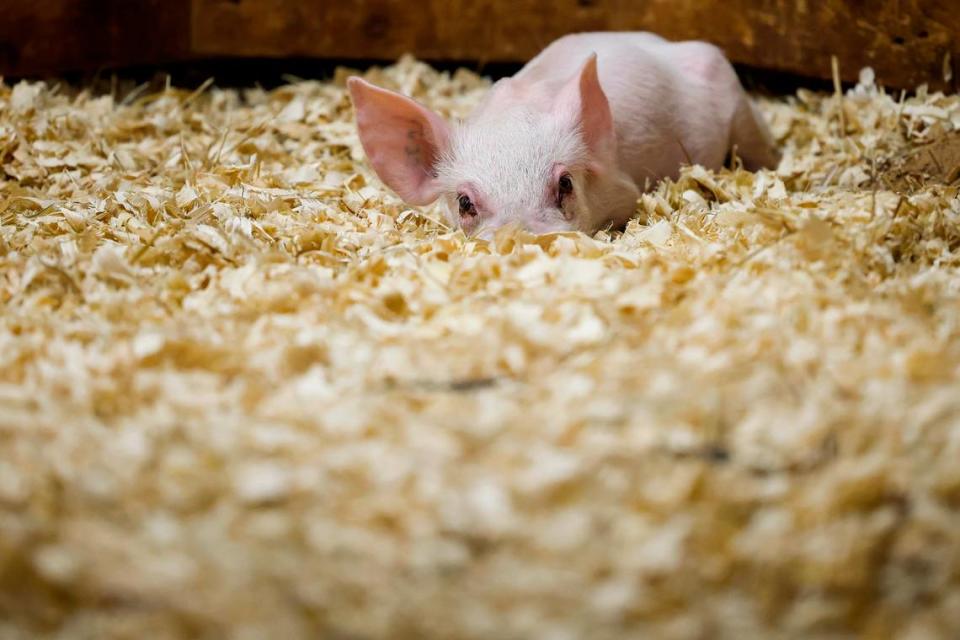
583 102
402 139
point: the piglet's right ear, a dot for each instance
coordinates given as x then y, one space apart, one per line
402 139
585 104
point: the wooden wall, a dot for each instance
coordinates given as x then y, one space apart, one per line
908 42
52 36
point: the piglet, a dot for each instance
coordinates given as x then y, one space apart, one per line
569 141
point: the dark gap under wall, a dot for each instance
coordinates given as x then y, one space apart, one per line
272 72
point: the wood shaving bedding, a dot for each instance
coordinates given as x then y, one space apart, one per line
245 392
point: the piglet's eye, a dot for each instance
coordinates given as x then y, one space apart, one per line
466 206
564 188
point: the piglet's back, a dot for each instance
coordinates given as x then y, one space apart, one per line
672 102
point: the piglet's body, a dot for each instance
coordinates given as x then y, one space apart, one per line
568 142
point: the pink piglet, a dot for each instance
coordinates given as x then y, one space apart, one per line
569 141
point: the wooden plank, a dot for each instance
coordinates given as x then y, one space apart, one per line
40 37
905 41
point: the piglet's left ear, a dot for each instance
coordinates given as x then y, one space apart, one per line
402 139
584 103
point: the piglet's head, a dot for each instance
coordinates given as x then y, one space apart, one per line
540 157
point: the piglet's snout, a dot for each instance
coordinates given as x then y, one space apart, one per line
530 224
540 222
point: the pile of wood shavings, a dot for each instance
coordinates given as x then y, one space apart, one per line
246 393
